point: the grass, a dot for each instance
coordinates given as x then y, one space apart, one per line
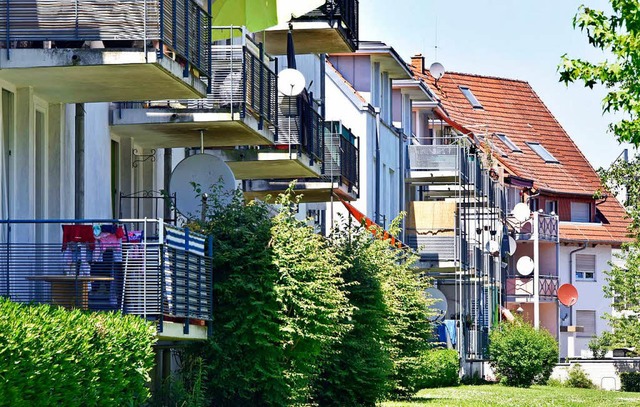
499 395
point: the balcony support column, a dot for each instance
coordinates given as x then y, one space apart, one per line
536 271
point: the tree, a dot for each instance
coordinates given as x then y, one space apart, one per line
279 301
617 34
521 354
380 354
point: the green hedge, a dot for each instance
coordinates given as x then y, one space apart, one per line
438 368
630 381
50 356
522 355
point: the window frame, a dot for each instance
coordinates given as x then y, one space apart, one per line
542 152
571 206
471 98
582 274
595 322
508 142
554 203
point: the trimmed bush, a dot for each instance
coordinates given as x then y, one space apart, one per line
50 356
599 345
522 355
579 379
439 368
630 381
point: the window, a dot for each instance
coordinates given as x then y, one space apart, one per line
586 319
580 212
542 152
551 206
534 204
586 267
470 97
507 141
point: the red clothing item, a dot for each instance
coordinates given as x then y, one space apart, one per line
78 234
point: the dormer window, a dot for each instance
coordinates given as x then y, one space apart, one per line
507 142
470 97
542 152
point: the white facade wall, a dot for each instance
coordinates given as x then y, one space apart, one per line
97 192
343 104
590 294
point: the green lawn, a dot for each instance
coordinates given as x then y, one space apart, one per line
498 395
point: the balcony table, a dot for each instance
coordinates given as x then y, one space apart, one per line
64 290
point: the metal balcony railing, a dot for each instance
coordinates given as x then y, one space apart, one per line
343 13
431 247
242 82
183 26
522 287
106 265
341 154
300 125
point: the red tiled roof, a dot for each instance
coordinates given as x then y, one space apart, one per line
513 108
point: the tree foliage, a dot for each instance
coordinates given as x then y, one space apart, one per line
278 301
390 330
522 355
299 318
618 35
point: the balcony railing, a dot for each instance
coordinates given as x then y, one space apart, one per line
301 126
183 26
341 154
108 265
547 227
432 247
344 13
522 287
242 82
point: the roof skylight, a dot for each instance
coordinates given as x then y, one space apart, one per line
470 97
542 152
507 142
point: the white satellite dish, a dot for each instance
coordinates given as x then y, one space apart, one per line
512 246
439 305
493 247
437 70
290 82
525 265
205 170
521 212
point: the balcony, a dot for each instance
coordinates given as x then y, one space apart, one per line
240 110
546 227
520 289
438 164
121 266
430 229
339 175
332 28
299 147
73 51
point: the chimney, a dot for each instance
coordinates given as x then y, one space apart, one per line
417 61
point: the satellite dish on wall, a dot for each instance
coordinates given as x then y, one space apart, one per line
525 265
521 212
437 70
567 294
205 170
439 305
512 246
290 82
493 247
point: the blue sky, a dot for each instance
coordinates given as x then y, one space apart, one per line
509 38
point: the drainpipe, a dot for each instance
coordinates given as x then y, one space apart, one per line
79 171
378 166
168 167
584 246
